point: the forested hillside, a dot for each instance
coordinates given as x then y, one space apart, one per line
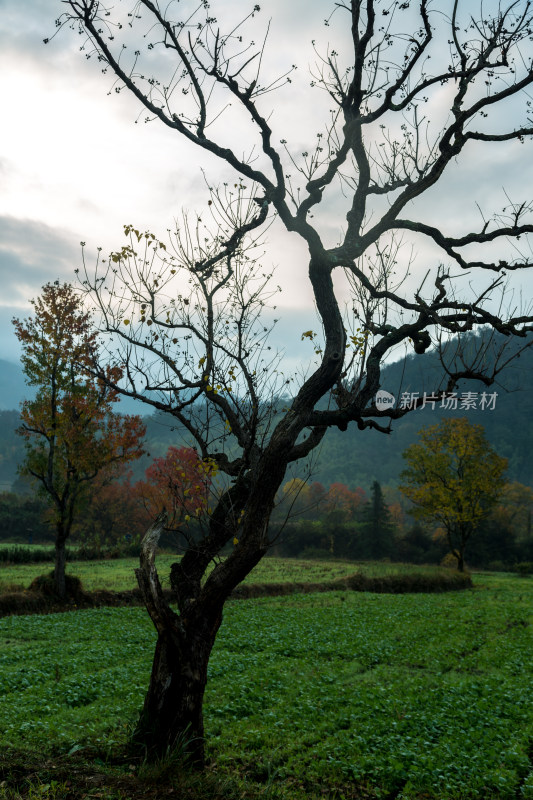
11 448
357 458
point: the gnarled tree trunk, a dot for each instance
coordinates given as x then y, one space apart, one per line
171 718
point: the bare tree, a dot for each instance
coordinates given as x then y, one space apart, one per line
187 312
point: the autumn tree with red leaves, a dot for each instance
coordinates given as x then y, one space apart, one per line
71 433
118 511
343 502
178 483
112 515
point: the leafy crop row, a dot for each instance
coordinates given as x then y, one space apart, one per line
412 695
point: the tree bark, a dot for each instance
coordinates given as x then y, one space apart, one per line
171 720
465 531
60 564
457 552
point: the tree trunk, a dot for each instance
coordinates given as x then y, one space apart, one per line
59 566
459 551
171 720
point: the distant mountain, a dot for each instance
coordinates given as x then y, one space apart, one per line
13 389
355 457
11 449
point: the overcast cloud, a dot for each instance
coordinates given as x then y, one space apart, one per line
75 167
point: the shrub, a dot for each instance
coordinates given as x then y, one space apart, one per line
449 561
45 584
497 566
524 568
17 554
409 583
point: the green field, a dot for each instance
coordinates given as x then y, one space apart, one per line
345 695
118 574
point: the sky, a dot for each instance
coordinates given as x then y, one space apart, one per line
75 166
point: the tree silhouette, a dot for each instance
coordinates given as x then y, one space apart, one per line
186 315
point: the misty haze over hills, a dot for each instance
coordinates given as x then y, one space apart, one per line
12 386
353 457
13 390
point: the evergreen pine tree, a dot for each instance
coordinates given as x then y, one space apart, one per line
378 528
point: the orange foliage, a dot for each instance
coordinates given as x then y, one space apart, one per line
72 435
179 482
113 514
341 499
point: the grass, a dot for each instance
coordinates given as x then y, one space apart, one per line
118 574
340 695
24 546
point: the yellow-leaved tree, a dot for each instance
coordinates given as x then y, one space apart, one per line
454 478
